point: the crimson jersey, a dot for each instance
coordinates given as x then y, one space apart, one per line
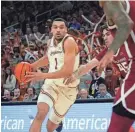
127 51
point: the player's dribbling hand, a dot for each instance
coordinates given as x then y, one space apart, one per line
105 60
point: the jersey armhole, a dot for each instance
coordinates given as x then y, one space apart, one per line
48 44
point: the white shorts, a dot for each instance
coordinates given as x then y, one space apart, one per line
60 99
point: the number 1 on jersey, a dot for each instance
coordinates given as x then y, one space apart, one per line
56 62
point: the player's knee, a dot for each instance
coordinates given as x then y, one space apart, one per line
40 115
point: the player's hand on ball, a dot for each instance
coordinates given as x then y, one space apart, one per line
34 76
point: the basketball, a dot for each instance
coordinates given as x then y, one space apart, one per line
20 71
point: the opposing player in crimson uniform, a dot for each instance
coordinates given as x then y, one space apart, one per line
122 15
122 49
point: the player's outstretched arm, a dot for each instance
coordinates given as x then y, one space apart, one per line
83 69
115 11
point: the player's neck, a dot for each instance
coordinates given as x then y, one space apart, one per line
57 41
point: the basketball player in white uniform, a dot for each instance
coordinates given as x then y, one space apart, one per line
63 59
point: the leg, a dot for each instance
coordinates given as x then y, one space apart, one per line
43 109
59 129
122 119
117 123
60 109
51 126
45 101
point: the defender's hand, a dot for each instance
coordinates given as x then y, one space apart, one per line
105 60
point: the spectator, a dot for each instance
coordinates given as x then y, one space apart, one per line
7 52
17 95
7 96
75 24
95 83
111 80
30 53
83 56
23 88
10 80
36 34
30 95
84 94
28 35
102 93
15 56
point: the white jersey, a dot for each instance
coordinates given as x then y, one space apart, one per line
56 61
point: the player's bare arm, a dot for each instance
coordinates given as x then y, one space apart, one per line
71 49
115 11
42 61
83 69
86 68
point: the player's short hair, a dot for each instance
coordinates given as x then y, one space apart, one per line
61 20
104 27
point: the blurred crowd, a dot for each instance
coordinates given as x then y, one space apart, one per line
23 38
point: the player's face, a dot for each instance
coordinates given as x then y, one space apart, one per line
108 37
58 30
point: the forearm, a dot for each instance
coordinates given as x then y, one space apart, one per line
86 68
63 73
41 62
122 34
